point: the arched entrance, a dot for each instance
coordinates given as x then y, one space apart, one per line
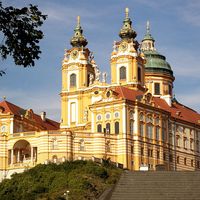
21 151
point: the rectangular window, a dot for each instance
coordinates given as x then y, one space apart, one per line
170 158
116 127
73 112
192 163
185 161
198 164
157 133
150 153
170 89
163 134
185 143
177 141
157 88
177 159
197 147
132 149
191 144
158 154
131 127
142 129
164 156
149 131
142 151
139 74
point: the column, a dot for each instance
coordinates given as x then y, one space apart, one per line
31 154
11 154
18 155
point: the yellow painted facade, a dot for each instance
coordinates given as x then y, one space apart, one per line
134 120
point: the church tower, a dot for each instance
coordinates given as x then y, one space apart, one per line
78 72
127 63
158 73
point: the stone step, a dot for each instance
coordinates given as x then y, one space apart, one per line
157 186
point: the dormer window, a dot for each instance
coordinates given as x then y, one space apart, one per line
122 72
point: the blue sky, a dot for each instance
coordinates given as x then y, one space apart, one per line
175 25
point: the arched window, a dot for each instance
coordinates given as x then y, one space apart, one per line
73 80
116 127
122 72
99 128
139 74
108 128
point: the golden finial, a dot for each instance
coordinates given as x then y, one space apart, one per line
4 98
127 12
148 26
78 20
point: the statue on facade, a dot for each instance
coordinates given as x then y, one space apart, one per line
114 46
104 77
91 77
97 73
91 56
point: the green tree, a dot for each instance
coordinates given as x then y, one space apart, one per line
21 34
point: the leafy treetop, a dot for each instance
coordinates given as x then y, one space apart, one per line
21 34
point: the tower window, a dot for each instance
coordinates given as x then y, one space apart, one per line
139 74
116 127
99 128
157 88
73 111
170 89
73 80
122 72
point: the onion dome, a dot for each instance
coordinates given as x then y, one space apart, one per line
155 62
78 40
127 31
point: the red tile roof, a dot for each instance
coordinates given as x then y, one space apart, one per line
177 110
127 93
17 111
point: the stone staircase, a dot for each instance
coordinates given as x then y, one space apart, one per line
157 185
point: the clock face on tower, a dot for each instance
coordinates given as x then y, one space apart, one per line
74 54
123 46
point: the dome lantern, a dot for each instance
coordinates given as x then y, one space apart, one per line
78 40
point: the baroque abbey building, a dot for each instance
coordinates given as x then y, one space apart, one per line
135 120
